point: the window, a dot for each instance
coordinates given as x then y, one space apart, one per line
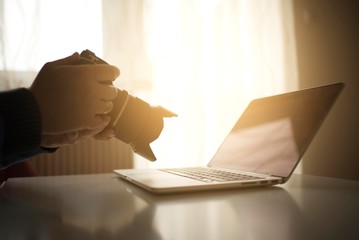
35 32
203 59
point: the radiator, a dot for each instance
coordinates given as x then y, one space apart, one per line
89 156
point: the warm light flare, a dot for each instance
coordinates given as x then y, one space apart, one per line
210 58
203 59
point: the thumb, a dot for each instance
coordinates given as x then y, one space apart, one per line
72 59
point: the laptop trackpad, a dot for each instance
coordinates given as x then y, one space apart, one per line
160 179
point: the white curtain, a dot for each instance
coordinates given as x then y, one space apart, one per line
203 59
36 31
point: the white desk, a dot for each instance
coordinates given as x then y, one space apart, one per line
103 207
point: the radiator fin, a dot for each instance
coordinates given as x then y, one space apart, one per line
86 157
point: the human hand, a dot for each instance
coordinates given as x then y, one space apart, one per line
54 141
74 97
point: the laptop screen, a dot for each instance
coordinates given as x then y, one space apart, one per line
273 132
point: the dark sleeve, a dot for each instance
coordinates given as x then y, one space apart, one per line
20 127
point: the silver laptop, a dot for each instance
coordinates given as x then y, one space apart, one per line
263 148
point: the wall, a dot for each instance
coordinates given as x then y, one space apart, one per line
327 33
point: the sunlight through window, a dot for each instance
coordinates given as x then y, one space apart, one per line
35 32
209 59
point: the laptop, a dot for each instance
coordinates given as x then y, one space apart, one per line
263 148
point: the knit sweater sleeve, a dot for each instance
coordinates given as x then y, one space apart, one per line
20 126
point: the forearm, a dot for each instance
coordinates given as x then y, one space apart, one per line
20 126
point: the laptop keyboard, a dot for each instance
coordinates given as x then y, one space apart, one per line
208 175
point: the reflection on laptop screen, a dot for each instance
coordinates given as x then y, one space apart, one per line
264 148
273 133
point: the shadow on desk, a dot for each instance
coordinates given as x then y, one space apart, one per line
71 207
103 206
41 216
253 213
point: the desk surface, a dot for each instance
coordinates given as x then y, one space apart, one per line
101 206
